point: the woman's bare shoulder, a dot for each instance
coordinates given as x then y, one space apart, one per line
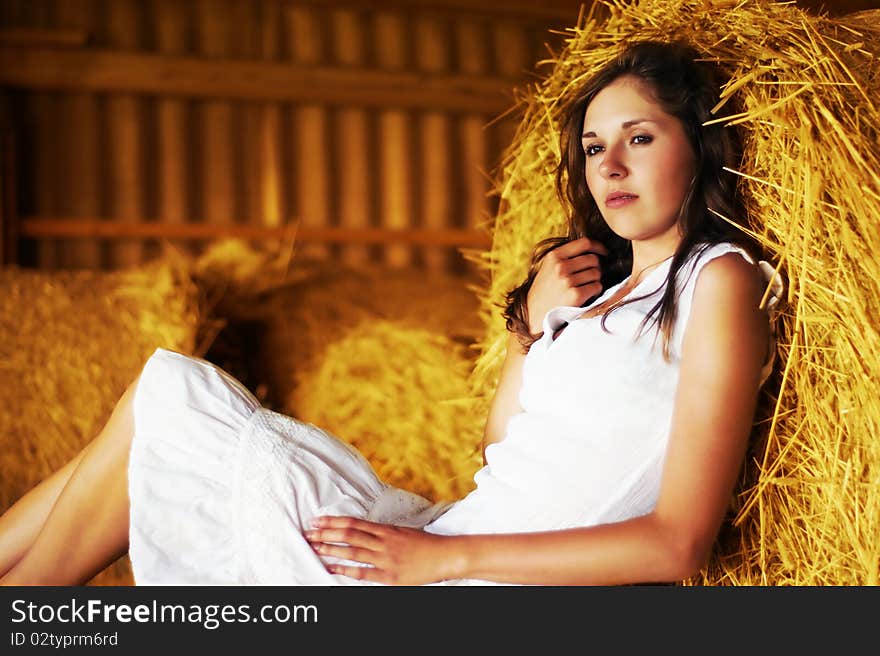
731 277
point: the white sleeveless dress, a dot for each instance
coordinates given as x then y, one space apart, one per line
221 488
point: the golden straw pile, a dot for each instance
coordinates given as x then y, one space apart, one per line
378 356
398 394
808 510
70 344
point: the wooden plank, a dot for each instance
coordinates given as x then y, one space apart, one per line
348 38
472 41
271 199
313 171
511 48
309 129
8 204
40 135
173 147
173 161
218 182
432 36
510 57
80 144
304 35
125 114
242 18
37 227
355 187
272 207
218 77
80 187
171 26
13 12
214 29
473 57
248 135
42 186
564 11
395 156
24 36
477 181
351 159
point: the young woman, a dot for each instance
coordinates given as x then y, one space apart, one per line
612 446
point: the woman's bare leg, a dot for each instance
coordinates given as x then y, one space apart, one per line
23 521
87 527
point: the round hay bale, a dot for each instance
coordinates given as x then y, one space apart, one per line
297 332
399 395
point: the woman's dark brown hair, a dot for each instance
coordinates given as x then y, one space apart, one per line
686 89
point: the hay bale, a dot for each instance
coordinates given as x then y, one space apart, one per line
70 343
279 315
808 511
399 394
302 319
377 355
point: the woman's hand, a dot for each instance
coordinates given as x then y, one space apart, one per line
398 555
568 275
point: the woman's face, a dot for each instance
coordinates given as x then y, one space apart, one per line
639 163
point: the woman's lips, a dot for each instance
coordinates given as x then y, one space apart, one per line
619 200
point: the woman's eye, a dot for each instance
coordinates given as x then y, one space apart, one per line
642 139
592 149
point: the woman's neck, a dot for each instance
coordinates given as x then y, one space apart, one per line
647 259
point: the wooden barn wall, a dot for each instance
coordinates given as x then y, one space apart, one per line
107 154
150 116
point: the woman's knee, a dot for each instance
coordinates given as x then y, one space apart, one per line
120 425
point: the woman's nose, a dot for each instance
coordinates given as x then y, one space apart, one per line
612 165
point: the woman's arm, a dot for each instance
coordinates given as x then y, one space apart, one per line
568 275
505 402
724 348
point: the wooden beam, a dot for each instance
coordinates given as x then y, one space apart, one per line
8 220
35 227
25 36
565 11
103 70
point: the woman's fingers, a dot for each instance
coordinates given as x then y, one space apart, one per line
353 540
352 536
583 245
346 522
380 552
586 279
361 573
346 537
346 552
568 275
580 263
565 267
